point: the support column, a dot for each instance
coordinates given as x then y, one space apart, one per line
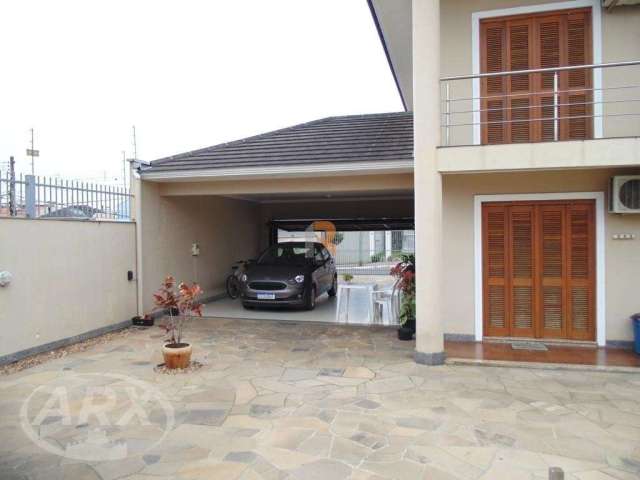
135 187
372 244
387 245
427 182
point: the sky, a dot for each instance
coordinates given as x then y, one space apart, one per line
188 74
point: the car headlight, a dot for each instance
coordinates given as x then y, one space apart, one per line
243 278
299 278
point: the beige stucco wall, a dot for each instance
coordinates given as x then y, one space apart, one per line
600 153
620 42
69 278
226 230
622 256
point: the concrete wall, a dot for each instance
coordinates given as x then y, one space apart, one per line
226 230
69 278
597 153
620 42
622 256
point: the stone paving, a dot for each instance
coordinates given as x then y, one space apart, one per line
306 401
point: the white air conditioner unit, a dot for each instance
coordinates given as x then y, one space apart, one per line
624 194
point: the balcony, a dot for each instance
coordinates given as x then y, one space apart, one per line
581 116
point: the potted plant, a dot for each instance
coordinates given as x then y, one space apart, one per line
180 306
405 273
347 277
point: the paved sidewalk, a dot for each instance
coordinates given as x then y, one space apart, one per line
307 401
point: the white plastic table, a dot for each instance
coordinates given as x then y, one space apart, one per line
354 304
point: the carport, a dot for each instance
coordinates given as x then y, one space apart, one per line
200 211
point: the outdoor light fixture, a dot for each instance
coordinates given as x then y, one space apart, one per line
5 278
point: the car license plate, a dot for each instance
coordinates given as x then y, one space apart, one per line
266 296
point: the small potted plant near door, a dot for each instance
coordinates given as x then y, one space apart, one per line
180 307
405 273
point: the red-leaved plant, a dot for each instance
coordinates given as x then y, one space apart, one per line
181 305
405 273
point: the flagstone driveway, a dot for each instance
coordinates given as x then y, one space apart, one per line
306 401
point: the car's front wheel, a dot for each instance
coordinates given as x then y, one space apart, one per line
334 287
310 298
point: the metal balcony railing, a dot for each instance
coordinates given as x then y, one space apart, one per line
543 104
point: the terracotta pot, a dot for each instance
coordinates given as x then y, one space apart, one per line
176 355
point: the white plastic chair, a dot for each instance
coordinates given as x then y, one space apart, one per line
386 306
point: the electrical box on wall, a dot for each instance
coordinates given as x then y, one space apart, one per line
195 249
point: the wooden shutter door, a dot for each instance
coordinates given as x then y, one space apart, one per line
493 57
539 269
548 41
506 101
495 302
519 87
580 245
577 83
522 270
552 268
545 40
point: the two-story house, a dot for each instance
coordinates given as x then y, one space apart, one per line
518 115
523 110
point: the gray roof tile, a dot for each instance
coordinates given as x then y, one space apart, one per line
352 138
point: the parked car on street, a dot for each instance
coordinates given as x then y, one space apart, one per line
289 274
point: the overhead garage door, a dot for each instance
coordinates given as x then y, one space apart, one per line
539 269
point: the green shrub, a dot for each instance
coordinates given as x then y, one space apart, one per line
377 257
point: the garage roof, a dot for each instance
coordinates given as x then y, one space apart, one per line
382 137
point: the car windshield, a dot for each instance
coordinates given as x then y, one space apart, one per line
283 254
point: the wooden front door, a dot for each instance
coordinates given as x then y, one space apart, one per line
539 269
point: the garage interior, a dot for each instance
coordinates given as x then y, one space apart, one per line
376 226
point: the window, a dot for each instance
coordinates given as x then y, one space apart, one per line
520 108
292 253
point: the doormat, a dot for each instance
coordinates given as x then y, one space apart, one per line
529 346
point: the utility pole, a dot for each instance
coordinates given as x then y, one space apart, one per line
135 145
32 152
124 170
33 168
12 187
